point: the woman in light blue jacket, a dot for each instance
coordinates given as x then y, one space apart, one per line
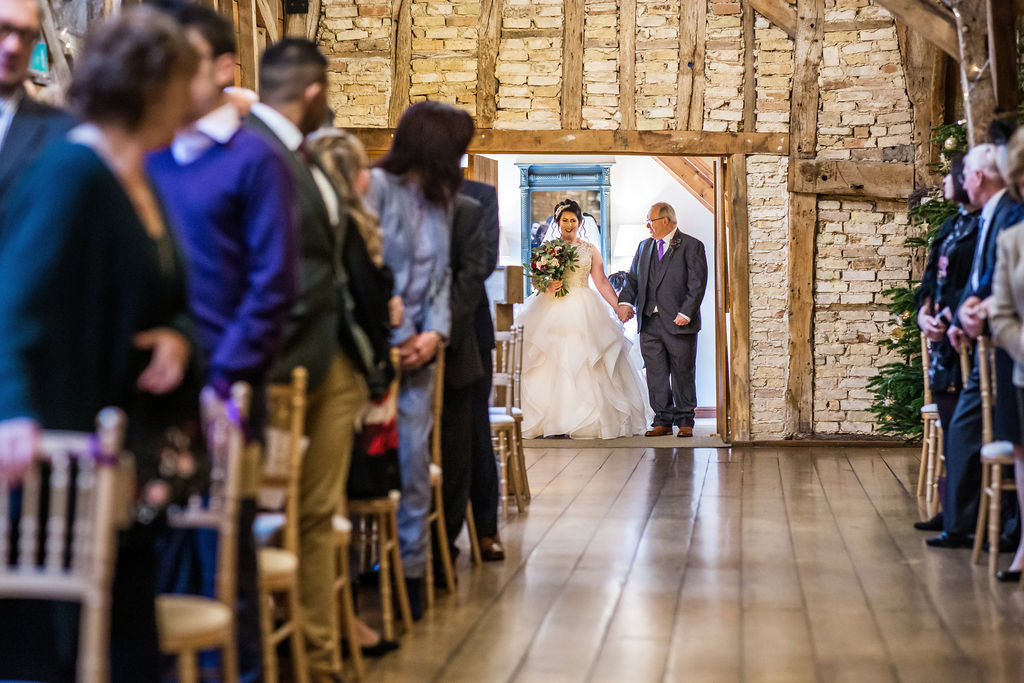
412 189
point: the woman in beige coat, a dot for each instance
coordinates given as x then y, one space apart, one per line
1006 315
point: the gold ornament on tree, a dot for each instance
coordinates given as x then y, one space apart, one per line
950 143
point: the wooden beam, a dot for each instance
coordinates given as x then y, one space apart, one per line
489 32
739 301
401 53
877 179
645 142
749 75
803 217
857 25
975 76
269 21
54 45
248 50
925 68
572 65
690 96
779 12
687 175
1002 55
627 64
935 23
304 25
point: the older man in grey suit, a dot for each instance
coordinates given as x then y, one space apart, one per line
666 284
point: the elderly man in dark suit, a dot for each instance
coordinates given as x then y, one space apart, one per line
26 126
468 457
666 283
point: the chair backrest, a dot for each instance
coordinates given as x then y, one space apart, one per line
965 361
223 423
925 364
502 384
517 366
285 446
438 406
85 480
987 384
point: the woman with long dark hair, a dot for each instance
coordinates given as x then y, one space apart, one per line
412 190
945 276
581 376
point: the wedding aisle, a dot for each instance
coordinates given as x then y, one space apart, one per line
767 564
704 436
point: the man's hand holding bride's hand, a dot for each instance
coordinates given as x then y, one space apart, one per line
554 286
626 313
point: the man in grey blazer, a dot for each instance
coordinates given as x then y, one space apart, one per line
666 285
26 126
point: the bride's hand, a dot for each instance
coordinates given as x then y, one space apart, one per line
554 286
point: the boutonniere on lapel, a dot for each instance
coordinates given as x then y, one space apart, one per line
676 241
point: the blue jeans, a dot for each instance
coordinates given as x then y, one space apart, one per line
415 421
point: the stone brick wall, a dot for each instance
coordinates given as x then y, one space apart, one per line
768 215
864 113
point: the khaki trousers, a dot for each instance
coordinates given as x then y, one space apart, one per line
330 422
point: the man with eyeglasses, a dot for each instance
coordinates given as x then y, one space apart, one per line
666 283
26 126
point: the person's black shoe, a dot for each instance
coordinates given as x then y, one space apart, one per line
947 540
1005 545
380 649
1008 576
933 524
414 587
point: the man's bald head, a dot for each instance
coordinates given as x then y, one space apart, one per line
20 21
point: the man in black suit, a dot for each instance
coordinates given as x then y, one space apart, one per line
468 457
26 126
666 283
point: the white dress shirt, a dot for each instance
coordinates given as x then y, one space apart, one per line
292 138
8 108
217 127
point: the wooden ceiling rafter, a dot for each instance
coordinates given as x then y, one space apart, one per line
937 25
692 177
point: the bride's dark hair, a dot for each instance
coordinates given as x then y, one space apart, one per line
572 206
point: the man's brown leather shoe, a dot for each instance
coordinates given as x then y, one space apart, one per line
491 550
659 430
685 431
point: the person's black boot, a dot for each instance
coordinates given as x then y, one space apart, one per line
414 587
933 524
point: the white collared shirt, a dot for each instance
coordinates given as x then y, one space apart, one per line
986 223
292 138
217 127
8 108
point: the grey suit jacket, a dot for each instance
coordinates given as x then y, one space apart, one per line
33 128
683 281
1006 317
311 336
470 268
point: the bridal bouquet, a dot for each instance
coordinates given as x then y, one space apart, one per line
551 261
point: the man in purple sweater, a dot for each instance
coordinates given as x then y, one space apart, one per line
231 200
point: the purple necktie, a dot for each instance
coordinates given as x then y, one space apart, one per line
661 249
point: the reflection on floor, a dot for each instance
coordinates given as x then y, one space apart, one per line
769 564
705 435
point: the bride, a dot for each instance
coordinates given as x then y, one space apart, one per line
579 375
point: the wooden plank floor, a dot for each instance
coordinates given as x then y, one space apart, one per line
756 564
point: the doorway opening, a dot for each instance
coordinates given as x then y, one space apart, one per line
617 191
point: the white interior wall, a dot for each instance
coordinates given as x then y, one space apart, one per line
637 182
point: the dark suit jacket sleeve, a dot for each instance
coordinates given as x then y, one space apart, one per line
927 288
1011 217
696 278
471 263
629 287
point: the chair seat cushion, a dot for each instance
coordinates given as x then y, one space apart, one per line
498 419
498 410
930 409
275 563
266 527
998 451
191 622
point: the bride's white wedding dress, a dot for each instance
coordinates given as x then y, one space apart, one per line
581 376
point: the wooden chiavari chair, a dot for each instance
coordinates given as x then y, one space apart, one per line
435 520
89 483
994 456
189 624
506 419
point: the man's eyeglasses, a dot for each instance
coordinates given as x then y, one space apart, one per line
650 222
26 36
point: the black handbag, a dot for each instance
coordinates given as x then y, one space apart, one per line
375 470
